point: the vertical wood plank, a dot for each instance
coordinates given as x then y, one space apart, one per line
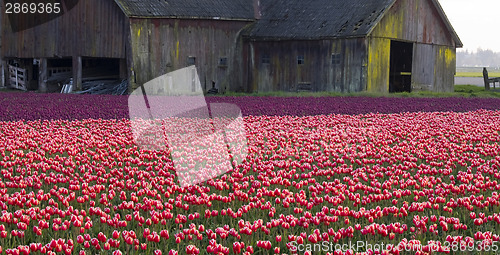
42 76
424 60
93 28
123 68
4 70
77 73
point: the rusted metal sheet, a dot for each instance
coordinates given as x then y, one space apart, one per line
296 65
163 45
93 28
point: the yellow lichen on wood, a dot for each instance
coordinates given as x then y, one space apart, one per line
449 56
378 65
391 25
177 50
336 47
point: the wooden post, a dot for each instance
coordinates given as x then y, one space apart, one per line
28 75
42 75
123 69
486 79
4 67
77 73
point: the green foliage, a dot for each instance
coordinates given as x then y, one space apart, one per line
476 74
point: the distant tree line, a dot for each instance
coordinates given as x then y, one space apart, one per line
481 58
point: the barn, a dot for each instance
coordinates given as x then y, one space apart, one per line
351 46
129 39
90 39
241 45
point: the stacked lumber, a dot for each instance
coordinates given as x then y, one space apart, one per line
94 81
101 87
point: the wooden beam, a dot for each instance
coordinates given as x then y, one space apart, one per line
77 73
42 75
123 69
4 66
486 79
28 76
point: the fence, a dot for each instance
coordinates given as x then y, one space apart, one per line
17 78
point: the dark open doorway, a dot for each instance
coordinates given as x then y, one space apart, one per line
401 66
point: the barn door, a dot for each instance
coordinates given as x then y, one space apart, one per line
400 66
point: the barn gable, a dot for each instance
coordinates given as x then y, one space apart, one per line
191 9
412 48
418 21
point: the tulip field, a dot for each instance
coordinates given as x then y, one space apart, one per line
322 176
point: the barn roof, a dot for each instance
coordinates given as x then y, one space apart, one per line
299 19
313 19
218 9
280 19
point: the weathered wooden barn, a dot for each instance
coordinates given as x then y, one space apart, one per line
138 40
92 35
243 45
350 46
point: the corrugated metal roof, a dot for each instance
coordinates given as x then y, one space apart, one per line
312 19
223 9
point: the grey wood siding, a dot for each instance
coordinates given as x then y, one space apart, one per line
444 69
163 45
434 68
284 73
423 69
93 28
415 21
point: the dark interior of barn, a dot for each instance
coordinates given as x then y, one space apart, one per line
400 67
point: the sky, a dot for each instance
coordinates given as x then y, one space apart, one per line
476 22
